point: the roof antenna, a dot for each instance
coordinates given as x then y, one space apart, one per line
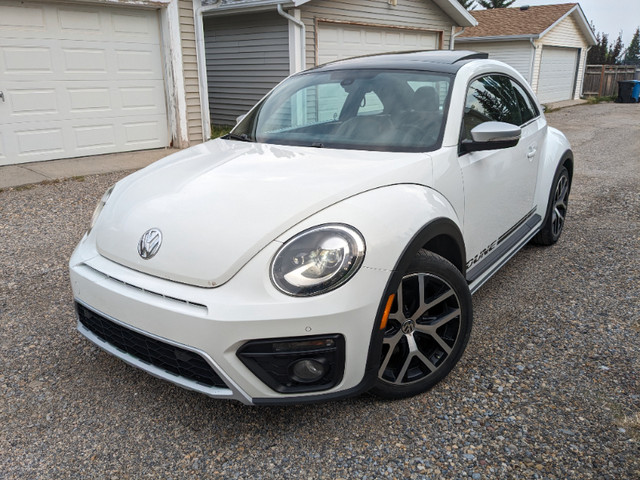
524 7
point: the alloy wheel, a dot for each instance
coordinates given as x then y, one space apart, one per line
422 330
560 201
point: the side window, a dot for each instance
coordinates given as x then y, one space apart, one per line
528 109
490 98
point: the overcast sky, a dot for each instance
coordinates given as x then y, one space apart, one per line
609 16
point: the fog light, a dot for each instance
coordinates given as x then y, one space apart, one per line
308 370
296 364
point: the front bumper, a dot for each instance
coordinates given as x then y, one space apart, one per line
214 323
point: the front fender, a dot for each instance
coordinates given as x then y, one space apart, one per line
396 221
390 219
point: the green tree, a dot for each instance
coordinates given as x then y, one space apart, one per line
468 4
632 55
599 52
488 4
615 51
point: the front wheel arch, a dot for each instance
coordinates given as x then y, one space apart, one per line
444 237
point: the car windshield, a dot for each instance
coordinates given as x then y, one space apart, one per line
352 109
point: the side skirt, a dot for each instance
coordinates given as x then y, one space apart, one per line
507 246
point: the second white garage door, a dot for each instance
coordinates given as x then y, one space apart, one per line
79 80
557 74
338 41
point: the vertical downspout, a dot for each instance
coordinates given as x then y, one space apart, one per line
303 33
533 61
454 35
201 59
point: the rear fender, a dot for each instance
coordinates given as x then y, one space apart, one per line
557 153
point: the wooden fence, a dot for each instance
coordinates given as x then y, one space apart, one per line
602 80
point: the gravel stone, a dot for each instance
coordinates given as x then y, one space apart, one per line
547 389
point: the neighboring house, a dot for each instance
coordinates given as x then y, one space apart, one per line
96 76
547 44
251 45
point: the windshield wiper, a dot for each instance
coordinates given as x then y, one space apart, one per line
243 137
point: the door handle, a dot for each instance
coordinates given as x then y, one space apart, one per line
532 152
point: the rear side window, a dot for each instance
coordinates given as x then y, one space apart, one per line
528 109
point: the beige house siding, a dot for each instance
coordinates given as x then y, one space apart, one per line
416 14
565 34
190 68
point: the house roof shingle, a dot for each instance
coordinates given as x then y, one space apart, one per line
501 22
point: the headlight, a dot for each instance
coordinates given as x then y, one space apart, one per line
317 260
100 206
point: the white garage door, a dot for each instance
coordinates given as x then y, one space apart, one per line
557 74
336 41
79 80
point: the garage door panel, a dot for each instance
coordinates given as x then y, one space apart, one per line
79 80
24 18
79 100
26 60
37 141
557 74
72 60
77 22
337 41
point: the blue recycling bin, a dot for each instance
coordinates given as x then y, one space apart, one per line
628 91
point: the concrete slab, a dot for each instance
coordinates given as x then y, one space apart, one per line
564 103
14 175
26 173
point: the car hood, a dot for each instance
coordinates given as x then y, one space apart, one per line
219 203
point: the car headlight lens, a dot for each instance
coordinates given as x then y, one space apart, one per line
100 206
318 260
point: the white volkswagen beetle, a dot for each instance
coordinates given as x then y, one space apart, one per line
328 245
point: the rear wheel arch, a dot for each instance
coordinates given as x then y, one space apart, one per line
567 162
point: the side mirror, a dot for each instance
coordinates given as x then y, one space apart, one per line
492 136
240 118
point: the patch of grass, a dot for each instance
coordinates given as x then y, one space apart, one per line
595 100
50 182
220 130
78 178
21 188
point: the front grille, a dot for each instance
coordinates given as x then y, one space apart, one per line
179 361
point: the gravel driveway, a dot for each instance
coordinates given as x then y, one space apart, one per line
549 386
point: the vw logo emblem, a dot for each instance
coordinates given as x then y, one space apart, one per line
149 243
408 327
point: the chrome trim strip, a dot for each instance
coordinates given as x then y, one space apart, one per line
234 392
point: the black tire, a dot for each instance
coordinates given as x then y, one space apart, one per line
556 210
425 334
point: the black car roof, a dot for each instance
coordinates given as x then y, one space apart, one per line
448 61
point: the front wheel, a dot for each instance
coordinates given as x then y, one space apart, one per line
427 330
